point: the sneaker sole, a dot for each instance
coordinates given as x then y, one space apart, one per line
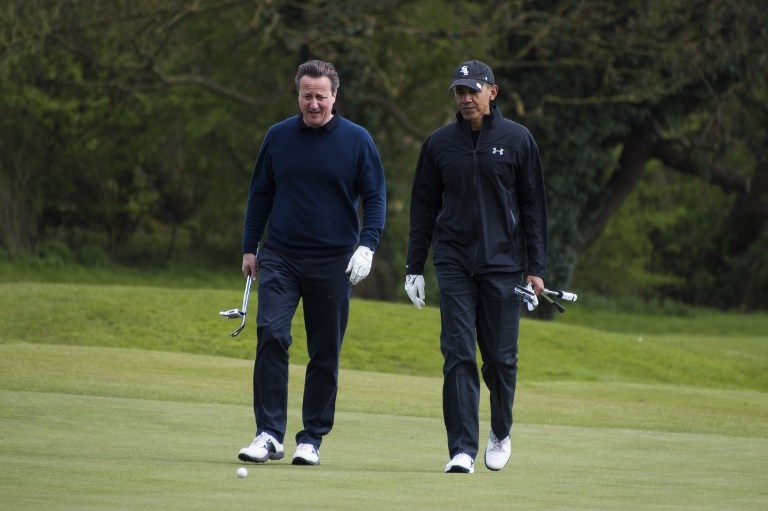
273 456
459 470
298 460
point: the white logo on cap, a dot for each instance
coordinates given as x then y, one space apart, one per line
478 85
464 70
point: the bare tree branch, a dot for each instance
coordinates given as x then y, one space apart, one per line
639 149
593 100
673 155
216 88
398 115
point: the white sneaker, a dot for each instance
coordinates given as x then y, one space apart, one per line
497 452
264 447
306 454
461 464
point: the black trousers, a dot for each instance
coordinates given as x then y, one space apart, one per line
324 290
482 307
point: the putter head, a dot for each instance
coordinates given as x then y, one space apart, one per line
232 314
239 313
238 329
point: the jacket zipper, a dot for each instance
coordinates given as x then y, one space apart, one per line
476 171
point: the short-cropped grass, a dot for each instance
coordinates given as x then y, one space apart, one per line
135 397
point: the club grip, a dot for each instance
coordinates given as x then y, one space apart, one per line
565 295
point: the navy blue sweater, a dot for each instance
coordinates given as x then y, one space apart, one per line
306 184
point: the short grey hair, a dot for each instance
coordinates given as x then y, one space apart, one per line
318 69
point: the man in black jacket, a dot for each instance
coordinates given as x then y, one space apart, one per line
478 199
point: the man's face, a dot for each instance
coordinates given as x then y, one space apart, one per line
316 100
474 104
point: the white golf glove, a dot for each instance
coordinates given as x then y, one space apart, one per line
533 302
360 265
414 288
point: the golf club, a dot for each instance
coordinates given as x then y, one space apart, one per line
528 296
564 295
558 306
242 311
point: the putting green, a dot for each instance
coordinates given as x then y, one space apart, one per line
98 428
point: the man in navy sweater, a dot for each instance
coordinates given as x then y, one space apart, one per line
478 200
310 173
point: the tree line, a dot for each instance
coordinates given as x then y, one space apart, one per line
128 129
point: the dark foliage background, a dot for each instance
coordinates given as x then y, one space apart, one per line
128 128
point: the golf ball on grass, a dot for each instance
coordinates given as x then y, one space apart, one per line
242 472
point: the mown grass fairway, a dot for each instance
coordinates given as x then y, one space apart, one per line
119 397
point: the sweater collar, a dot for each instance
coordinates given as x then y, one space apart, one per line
328 126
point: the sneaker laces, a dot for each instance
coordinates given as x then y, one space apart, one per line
265 440
306 448
498 445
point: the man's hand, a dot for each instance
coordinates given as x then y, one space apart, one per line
536 283
414 288
250 265
360 265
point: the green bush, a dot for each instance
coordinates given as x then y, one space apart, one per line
55 253
93 256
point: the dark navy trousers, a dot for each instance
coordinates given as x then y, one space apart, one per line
483 307
324 290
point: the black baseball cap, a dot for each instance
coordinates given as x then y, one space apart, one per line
472 74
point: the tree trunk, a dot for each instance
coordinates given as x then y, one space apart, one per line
638 150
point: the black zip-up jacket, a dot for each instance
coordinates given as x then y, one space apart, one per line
482 208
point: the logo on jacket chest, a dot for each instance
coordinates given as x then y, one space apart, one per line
498 150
